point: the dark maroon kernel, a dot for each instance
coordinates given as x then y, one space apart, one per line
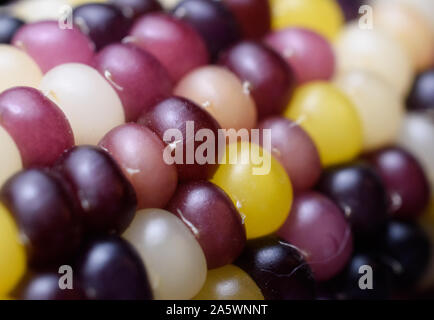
106 200
361 195
278 268
218 226
103 23
174 113
212 20
44 214
350 8
45 286
110 269
253 16
271 79
405 181
133 9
